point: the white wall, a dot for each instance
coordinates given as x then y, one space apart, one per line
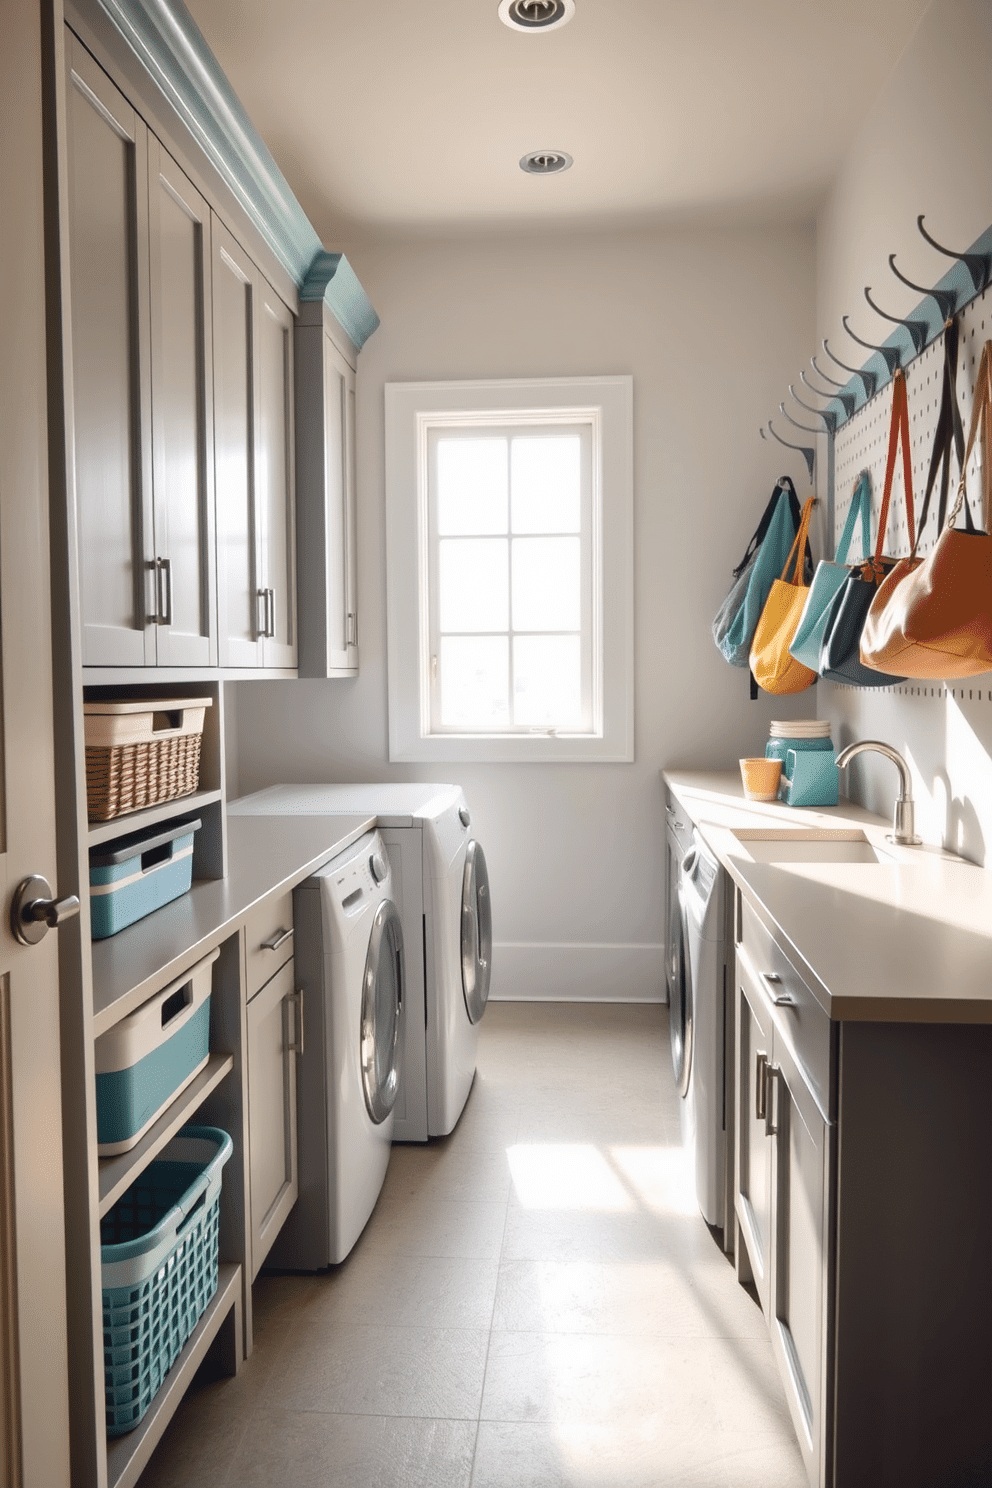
923 147
711 324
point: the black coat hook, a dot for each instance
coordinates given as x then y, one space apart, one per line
826 414
946 300
891 355
977 264
809 455
869 380
918 329
847 400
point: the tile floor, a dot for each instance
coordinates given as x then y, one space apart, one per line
535 1303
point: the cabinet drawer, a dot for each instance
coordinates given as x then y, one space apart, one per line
800 1018
269 940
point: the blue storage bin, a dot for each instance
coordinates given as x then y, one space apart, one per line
134 875
147 1058
159 1250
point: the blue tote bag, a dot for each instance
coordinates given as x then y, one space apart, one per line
738 616
830 576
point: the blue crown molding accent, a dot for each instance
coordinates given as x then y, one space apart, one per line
332 279
959 282
170 47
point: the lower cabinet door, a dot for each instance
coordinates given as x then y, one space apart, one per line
753 1180
801 1262
275 1036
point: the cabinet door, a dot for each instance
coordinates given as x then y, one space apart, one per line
753 1192
109 320
238 579
275 482
275 1033
182 415
341 553
800 1261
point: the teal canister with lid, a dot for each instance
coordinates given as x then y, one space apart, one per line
798 734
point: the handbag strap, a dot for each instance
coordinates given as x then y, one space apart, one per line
860 505
898 434
981 420
799 546
948 431
760 532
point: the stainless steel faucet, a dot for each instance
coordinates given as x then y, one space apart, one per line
903 822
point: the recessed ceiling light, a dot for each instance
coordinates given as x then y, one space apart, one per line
536 15
545 162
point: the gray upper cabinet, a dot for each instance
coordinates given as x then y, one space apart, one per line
325 382
141 375
182 416
254 462
108 262
238 581
275 477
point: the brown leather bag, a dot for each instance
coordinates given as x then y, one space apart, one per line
932 617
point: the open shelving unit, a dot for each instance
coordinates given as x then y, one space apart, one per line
127 1456
120 973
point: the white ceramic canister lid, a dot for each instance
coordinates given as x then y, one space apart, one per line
799 728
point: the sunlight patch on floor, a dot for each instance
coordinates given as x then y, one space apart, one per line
661 1177
566 1176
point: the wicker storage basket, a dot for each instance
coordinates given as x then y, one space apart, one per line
141 754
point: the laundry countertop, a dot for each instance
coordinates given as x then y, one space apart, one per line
906 940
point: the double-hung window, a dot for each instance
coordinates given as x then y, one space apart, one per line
509 570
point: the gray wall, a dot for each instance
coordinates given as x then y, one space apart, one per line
712 324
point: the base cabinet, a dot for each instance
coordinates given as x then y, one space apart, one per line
863 1215
783 1207
275 1038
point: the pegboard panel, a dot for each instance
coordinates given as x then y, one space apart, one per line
862 442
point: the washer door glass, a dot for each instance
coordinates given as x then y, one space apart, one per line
680 1009
477 932
383 1003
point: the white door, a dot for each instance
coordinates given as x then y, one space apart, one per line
34 1436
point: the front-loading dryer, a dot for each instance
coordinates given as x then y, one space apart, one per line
441 887
350 967
702 1030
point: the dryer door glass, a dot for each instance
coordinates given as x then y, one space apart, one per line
680 1010
477 932
382 1012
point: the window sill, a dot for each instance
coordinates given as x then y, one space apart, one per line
500 749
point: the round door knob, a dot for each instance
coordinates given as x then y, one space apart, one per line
378 867
34 910
463 816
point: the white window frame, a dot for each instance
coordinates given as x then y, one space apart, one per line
412 410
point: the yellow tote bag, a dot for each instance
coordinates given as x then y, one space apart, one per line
772 664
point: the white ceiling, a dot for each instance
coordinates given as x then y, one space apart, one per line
401 117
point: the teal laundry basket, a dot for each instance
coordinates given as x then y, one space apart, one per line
134 875
159 1248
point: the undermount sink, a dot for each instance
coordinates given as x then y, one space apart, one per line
809 845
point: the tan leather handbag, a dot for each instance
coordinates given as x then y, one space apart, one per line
772 665
932 617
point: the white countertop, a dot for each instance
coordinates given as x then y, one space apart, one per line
903 941
266 855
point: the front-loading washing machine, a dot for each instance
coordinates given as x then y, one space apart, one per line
350 967
441 887
702 1031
